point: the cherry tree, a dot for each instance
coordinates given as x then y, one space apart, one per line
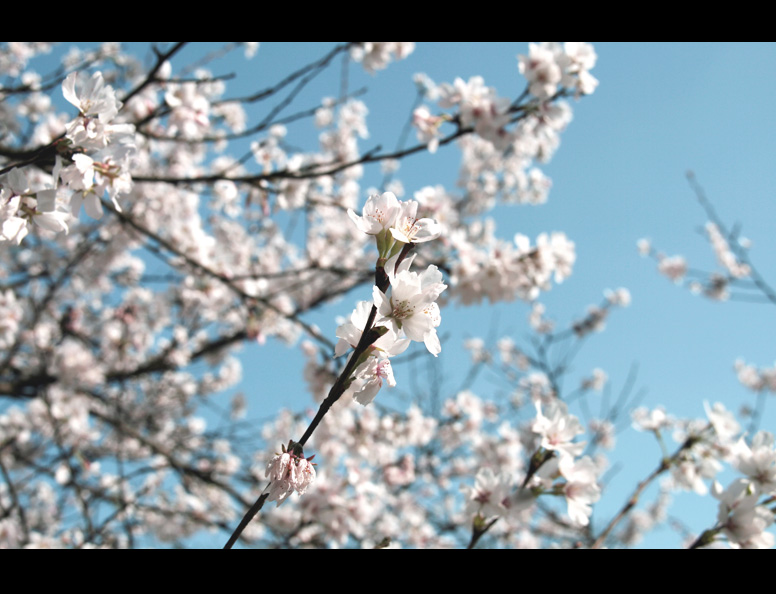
153 224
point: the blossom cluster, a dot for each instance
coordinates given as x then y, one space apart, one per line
560 470
743 516
406 309
496 270
730 251
548 68
550 65
756 379
92 162
477 443
22 206
725 254
376 55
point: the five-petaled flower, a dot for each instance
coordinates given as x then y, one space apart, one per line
412 306
409 229
380 213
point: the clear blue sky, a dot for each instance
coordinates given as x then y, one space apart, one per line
619 175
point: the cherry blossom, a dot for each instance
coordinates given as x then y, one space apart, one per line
651 420
412 306
558 429
22 207
742 520
93 128
95 99
581 489
288 473
409 229
674 267
376 55
724 253
379 214
757 461
490 495
577 60
369 378
350 333
428 127
550 65
541 69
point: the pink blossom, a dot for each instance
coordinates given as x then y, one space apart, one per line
288 473
369 378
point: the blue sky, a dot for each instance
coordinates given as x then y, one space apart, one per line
660 109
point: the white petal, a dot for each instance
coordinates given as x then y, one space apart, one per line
68 89
47 200
431 341
54 221
367 393
93 207
382 302
417 327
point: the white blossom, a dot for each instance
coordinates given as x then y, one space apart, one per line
95 99
369 378
740 516
581 488
428 127
490 495
349 334
376 55
558 428
380 213
97 104
407 228
541 69
757 461
412 306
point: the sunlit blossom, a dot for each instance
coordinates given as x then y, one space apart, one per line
380 213
412 306
409 229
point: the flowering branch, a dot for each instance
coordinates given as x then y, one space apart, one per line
411 309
